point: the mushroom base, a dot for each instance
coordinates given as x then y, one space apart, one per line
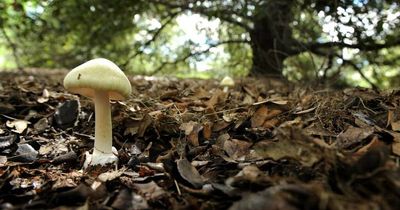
100 158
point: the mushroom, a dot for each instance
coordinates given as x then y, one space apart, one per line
101 80
227 82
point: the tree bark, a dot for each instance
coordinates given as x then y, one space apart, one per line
271 37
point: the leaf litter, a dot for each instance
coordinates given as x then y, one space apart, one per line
187 143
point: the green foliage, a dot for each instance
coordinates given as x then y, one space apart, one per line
146 37
66 33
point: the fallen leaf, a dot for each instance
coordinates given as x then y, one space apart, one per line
229 117
353 136
236 149
374 143
139 126
395 126
220 125
45 97
67 113
250 177
189 173
268 124
273 112
110 175
396 148
6 108
276 101
53 149
126 199
7 141
218 96
305 153
207 131
41 125
259 116
3 160
25 153
150 190
393 119
192 130
187 127
277 198
19 125
248 100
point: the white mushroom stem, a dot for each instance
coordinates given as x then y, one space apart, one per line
103 152
103 129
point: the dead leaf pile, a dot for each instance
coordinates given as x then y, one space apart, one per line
186 143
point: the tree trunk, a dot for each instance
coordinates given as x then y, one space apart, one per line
271 37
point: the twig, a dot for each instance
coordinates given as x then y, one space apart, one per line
177 187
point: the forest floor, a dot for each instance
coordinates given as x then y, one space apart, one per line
188 144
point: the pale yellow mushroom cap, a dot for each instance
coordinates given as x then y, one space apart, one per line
98 74
227 82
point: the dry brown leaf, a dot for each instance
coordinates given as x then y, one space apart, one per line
393 120
221 140
374 143
201 94
270 123
110 175
273 112
353 136
251 90
276 101
284 148
396 148
150 190
193 137
220 125
217 97
236 149
395 126
192 130
19 125
229 117
389 117
189 173
259 116
247 100
187 127
45 97
207 131
170 94
316 129
138 126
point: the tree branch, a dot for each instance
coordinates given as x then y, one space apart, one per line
190 54
148 42
349 63
358 69
361 46
13 47
218 13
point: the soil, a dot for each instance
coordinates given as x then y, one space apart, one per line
190 144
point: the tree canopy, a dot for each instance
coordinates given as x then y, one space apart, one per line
301 39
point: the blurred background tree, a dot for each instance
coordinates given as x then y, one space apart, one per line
326 41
